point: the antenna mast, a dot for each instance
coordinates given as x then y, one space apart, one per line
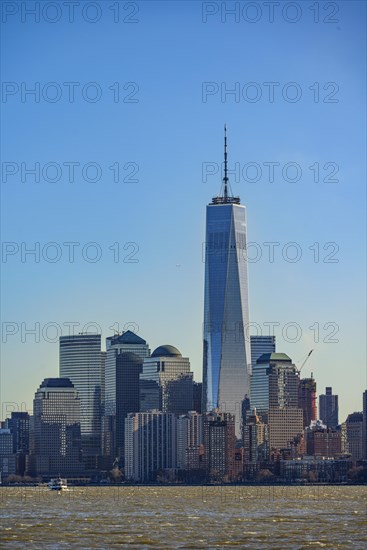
225 179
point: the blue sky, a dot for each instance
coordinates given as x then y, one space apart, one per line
169 133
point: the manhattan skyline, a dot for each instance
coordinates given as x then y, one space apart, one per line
174 136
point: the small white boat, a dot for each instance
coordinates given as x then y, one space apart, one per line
58 484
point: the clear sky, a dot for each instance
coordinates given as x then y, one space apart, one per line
151 97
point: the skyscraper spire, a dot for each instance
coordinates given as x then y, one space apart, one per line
225 194
225 179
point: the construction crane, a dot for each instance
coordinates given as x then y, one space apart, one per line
304 362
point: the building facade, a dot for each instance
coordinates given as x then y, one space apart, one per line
219 446
189 440
329 408
364 426
150 445
354 428
55 439
322 442
123 365
307 400
18 424
259 346
274 383
226 348
166 382
255 439
81 362
7 457
284 425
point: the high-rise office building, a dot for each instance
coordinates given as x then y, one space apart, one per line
329 409
197 396
123 395
150 445
285 423
55 439
364 426
123 364
259 346
81 362
103 379
219 445
226 349
7 457
274 383
354 428
128 342
19 428
189 440
166 383
18 425
307 400
255 439
274 393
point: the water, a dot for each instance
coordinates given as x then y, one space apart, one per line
184 517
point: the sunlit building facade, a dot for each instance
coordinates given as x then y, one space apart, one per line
123 366
166 383
81 362
150 445
55 438
219 446
259 346
226 347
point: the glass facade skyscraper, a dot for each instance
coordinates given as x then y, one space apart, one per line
55 439
81 362
226 353
259 346
124 359
329 408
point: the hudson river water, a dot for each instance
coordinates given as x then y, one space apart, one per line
184 517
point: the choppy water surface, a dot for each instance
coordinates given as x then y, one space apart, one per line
184 517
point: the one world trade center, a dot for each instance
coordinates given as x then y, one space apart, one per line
226 354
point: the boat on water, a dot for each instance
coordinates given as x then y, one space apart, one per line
58 484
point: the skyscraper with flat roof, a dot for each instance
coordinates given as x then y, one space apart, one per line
354 425
18 425
219 445
226 349
364 426
81 362
55 439
150 445
274 393
329 408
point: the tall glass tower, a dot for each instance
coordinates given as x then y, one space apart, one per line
81 362
227 355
